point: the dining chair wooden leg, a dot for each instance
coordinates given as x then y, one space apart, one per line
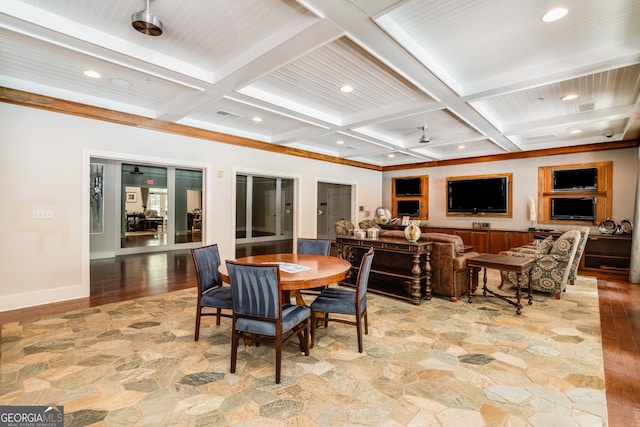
366 322
313 328
359 332
218 315
278 360
305 337
198 314
234 349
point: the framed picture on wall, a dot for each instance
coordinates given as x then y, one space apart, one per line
96 221
132 197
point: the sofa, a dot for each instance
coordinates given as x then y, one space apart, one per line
449 270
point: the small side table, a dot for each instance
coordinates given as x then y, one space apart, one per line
520 265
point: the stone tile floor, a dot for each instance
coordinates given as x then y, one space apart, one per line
135 363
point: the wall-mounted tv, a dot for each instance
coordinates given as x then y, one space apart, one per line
478 195
408 186
575 179
408 208
576 209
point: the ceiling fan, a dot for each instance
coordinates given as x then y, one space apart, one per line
424 139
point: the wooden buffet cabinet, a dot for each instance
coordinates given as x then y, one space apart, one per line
604 253
400 268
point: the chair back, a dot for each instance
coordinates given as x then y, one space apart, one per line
255 290
584 236
363 276
207 260
566 246
314 246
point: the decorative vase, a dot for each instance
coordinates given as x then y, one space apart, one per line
412 232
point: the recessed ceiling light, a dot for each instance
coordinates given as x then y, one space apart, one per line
93 74
391 155
257 119
346 89
569 97
555 14
460 147
576 131
339 142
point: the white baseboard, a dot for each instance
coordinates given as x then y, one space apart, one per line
48 296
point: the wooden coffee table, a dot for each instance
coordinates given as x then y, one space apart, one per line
520 265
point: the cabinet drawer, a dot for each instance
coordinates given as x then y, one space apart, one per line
399 247
376 245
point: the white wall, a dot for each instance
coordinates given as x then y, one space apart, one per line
525 184
44 164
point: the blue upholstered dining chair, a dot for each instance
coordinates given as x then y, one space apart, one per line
315 247
211 293
258 313
346 301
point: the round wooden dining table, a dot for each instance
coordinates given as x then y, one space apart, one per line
321 269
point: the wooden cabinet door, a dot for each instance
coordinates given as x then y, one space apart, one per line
464 234
505 240
498 241
479 241
519 238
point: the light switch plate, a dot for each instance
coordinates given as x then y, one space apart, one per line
42 214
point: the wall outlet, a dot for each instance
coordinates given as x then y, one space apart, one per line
42 214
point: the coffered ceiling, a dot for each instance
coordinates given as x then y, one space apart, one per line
485 77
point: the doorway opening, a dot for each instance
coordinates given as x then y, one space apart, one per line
334 204
160 205
264 214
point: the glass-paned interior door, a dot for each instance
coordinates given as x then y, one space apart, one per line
188 206
264 208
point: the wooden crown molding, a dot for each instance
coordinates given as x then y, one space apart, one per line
27 99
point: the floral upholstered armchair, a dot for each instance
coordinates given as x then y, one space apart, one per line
545 245
552 270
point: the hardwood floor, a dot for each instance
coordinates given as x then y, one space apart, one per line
133 276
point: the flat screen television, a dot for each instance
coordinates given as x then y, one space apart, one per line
408 208
478 195
408 186
575 179
566 208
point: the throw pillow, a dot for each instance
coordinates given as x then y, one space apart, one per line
545 246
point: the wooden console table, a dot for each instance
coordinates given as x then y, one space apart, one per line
400 268
520 265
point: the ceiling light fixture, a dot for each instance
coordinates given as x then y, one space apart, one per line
257 119
339 142
569 97
136 171
574 131
555 14
93 74
424 138
346 89
146 22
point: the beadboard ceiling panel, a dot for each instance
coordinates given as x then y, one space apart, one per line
485 77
